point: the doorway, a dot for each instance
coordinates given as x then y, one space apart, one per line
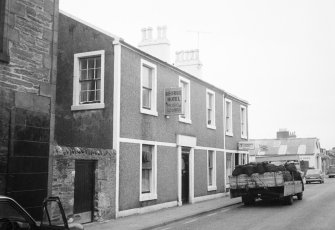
84 190
185 174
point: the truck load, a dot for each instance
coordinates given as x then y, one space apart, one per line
266 181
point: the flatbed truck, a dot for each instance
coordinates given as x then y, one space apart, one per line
270 185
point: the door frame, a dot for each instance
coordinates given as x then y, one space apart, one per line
87 214
186 141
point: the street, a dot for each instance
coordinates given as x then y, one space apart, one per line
314 212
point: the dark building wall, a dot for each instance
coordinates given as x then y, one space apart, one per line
27 89
220 176
167 178
85 128
200 173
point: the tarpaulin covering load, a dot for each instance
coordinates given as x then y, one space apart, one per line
264 167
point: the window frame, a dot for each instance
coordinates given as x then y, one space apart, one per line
153 110
213 124
4 52
76 81
230 131
153 185
213 186
243 120
187 97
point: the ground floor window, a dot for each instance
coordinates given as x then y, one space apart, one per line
211 172
148 173
229 165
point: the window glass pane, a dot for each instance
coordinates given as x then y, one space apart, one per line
97 73
146 98
91 95
210 177
210 100
209 116
91 63
90 74
146 157
185 90
83 63
98 84
145 181
146 168
147 77
83 74
87 85
83 96
97 98
98 62
210 159
7 211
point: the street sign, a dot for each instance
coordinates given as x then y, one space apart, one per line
245 145
174 101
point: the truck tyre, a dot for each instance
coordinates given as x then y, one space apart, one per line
248 200
288 200
299 196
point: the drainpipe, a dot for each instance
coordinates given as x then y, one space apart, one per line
116 118
224 143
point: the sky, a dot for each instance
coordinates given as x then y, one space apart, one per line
279 55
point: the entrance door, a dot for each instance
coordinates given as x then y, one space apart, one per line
84 190
185 174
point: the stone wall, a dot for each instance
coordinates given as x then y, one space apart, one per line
32 39
27 90
64 177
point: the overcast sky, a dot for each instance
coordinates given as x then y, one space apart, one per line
279 55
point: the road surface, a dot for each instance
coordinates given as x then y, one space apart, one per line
315 212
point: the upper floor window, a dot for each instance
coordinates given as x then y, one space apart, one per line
148 88
211 170
4 54
210 105
148 173
185 85
244 122
88 80
228 117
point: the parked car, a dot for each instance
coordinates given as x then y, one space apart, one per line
314 175
14 217
331 171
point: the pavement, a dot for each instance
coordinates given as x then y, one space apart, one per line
164 216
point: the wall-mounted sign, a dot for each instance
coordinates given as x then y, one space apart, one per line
244 145
174 101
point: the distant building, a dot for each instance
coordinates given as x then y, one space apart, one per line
287 145
113 128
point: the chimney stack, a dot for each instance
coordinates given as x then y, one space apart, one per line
188 61
159 47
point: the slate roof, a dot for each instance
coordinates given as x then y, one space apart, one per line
289 146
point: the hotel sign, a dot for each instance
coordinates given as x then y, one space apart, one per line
244 145
174 101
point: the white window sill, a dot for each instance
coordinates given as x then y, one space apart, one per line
88 106
212 188
185 120
244 137
149 112
211 126
229 134
148 196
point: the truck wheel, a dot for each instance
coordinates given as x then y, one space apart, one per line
248 200
299 196
288 200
